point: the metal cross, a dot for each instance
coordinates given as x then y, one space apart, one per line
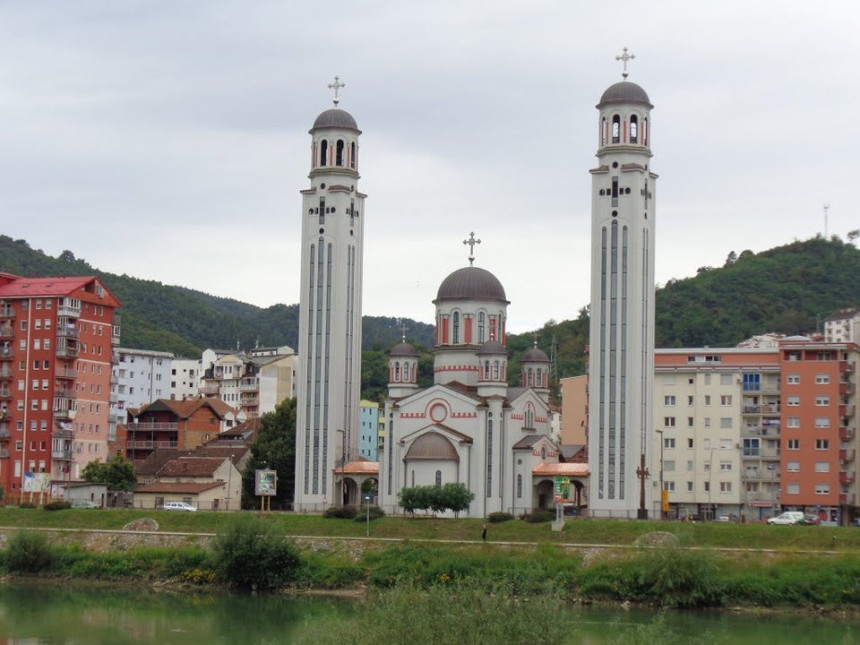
623 58
471 242
337 85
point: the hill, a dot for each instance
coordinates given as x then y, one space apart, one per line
788 289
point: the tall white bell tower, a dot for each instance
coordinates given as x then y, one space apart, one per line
329 347
621 360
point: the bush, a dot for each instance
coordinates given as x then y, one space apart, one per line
536 517
498 518
251 555
29 552
57 505
345 512
375 513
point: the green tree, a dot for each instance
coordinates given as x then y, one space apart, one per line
275 448
251 554
457 497
117 473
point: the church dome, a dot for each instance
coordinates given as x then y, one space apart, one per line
535 355
624 92
471 283
403 349
335 118
432 446
492 347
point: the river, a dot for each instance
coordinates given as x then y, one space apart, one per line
57 614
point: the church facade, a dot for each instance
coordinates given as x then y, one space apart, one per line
470 427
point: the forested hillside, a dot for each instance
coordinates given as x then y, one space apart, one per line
788 289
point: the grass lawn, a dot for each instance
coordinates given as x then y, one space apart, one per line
578 531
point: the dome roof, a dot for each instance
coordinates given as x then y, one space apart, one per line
624 92
432 446
471 283
535 355
492 347
335 118
403 349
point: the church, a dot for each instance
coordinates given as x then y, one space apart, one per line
470 426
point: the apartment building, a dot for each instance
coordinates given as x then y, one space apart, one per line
368 433
184 378
56 350
141 376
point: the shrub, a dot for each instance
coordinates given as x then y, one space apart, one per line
345 512
498 518
29 552
252 556
57 505
536 517
375 513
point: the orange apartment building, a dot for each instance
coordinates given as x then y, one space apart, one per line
56 349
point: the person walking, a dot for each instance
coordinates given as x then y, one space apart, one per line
484 533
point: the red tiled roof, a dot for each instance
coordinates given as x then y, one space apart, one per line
561 470
191 467
184 409
177 487
358 468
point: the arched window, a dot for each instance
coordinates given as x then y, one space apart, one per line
406 372
486 370
352 155
338 157
543 453
529 421
531 378
603 131
456 338
519 486
495 370
634 129
644 132
616 129
323 153
438 477
481 327
397 372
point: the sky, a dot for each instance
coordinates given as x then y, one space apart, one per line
168 139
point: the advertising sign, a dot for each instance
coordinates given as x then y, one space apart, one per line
562 489
265 482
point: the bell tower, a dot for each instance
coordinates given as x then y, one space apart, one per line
329 347
621 364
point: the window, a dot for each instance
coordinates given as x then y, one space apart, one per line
669 486
822 422
519 486
669 422
689 442
725 379
822 444
689 487
669 465
438 477
793 466
668 443
824 356
822 466
707 422
690 400
689 465
822 401
726 423
725 487
752 447
691 422
456 324
792 489
752 382
726 400
793 401
793 444
708 397
47 343
669 400
792 422
822 489
707 486
822 379
792 379
37 324
725 444
725 465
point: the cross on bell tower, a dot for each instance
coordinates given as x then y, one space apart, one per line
624 57
337 84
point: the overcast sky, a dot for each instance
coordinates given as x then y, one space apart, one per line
168 140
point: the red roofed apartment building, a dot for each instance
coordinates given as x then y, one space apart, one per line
56 348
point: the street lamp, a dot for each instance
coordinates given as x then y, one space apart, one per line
367 501
660 432
230 480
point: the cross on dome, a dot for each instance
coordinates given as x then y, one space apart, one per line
337 85
624 57
471 242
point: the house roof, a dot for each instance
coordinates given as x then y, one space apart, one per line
191 467
177 487
527 442
156 460
358 468
184 409
561 470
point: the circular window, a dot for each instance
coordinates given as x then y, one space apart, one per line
627 191
322 185
322 230
438 413
614 213
615 164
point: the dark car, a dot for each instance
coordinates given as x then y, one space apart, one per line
809 518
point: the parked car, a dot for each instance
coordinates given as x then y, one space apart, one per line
810 519
789 517
179 506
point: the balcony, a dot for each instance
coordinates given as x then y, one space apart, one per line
846 388
151 445
249 400
7 331
152 426
5 393
4 431
760 475
64 454
752 409
6 354
845 367
846 456
208 390
846 434
249 386
6 373
65 373
846 411
4 454
69 309
6 312
65 414
846 478
65 393
64 351
114 337
64 434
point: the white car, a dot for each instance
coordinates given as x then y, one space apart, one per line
183 506
789 517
